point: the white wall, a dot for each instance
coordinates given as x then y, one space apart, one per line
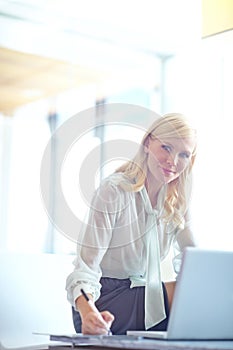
199 83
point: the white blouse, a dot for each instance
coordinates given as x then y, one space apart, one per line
123 238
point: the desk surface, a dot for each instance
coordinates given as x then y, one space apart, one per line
154 346
119 343
158 345
136 342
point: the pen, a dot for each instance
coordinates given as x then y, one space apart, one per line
94 308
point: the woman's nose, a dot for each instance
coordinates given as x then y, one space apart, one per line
172 160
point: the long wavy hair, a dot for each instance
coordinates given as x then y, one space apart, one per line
174 202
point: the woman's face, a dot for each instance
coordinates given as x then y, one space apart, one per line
168 157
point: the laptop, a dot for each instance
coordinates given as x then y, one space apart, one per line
202 307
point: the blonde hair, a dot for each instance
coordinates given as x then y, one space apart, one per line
177 194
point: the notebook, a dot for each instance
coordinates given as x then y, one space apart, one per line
202 307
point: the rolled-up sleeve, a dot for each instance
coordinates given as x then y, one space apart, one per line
82 277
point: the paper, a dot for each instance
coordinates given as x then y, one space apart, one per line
103 340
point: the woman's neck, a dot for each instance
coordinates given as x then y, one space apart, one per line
153 188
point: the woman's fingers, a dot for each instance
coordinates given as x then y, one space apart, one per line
107 316
94 324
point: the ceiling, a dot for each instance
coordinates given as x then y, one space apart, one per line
217 17
48 46
25 78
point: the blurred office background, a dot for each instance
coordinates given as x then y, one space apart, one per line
58 58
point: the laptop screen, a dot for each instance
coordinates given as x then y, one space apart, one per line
203 302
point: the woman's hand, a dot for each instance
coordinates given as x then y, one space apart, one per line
96 324
93 322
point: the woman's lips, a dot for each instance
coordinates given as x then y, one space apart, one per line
168 172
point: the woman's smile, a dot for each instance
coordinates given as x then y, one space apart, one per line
168 172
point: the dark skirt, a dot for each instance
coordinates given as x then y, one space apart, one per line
126 304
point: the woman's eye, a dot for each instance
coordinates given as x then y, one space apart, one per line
185 155
166 148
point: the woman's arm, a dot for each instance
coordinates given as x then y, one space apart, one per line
184 238
170 288
96 236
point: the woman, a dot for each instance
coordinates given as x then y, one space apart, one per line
136 215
